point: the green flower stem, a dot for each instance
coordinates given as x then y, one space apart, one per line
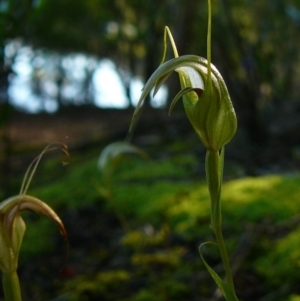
209 41
214 175
224 256
11 286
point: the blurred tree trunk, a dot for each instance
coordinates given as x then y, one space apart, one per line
13 23
87 86
5 110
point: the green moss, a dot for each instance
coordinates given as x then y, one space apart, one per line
137 238
167 290
166 195
171 258
107 285
149 203
140 170
294 298
38 236
74 188
282 262
276 198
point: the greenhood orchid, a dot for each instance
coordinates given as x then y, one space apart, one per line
113 153
210 111
12 228
205 97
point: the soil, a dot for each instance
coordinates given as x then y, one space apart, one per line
84 127
74 126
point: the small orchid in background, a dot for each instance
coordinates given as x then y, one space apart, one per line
113 153
12 227
210 111
108 161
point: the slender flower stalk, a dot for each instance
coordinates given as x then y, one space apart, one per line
11 286
210 111
209 40
214 174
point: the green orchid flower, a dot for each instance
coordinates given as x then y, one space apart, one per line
205 97
12 228
210 111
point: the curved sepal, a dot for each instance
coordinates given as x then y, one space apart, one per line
160 82
180 94
160 74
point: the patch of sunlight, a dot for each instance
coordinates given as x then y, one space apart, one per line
294 298
187 209
172 258
255 199
249 189
137 238
148 201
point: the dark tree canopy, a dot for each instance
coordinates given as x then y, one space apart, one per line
255 43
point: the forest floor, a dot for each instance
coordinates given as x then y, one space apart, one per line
86 131
83 127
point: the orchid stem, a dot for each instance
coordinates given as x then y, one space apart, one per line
225 259
214 174
11 286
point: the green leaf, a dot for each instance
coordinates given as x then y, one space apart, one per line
223 286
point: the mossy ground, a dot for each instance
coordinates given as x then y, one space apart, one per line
142 242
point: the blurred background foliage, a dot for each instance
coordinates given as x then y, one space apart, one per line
145 235
255 45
